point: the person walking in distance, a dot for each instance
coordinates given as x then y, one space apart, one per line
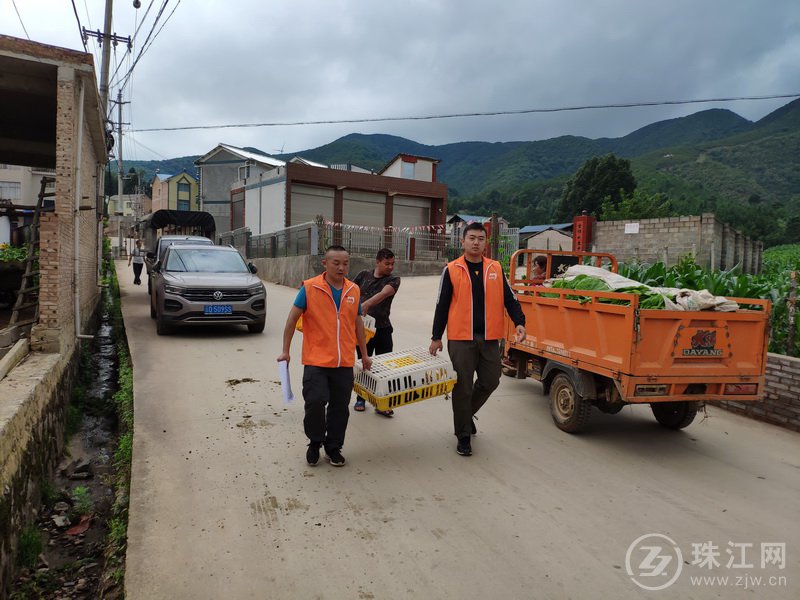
473 295
330 305
378 287
137 258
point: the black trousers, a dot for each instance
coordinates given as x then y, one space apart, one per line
381 343
326 392
137 272
470 358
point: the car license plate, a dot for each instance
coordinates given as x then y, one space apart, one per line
217 309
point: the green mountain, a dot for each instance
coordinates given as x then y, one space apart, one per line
710 160
760 163
700 127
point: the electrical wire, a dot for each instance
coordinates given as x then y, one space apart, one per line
146 12
16 10
147 46
133 39
80 27
145 49
98 46
470 114
127 75
138 143
88 18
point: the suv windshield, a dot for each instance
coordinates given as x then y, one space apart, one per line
196 260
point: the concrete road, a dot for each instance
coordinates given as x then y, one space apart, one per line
223 504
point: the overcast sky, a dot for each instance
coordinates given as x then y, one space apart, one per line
258 61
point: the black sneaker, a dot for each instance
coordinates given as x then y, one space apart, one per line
312 455
335 458
464 447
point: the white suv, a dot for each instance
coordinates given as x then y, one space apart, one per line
195 284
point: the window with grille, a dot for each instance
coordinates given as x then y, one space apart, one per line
10 190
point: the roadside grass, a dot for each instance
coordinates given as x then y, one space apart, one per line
36 582
117 539
30 547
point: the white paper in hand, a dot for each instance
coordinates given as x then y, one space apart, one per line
286 384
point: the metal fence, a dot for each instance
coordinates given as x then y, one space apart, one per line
408 243
238 238
298 240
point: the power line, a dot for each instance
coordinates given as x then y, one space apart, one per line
88 17
470 114
97 47
127 76
146 12
20 18
145 49
138 143
80 27
133 39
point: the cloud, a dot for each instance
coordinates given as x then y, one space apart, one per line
254 61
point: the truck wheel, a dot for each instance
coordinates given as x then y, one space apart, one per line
675 415
570 411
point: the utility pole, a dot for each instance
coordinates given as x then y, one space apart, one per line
107 40
104 65
119 145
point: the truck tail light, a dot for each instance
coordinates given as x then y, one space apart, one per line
650 390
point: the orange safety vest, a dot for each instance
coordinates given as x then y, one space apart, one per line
329 335
459 318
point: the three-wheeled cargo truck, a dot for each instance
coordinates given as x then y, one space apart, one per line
600 349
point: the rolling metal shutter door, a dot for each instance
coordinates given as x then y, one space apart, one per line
363 208
410 212
308 202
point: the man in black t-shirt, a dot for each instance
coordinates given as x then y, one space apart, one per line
378 288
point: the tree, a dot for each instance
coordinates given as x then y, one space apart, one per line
636 205
599 178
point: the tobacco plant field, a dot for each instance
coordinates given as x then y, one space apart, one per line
774 284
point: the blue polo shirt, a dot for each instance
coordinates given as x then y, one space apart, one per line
301 303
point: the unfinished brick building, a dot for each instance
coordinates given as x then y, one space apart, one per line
50 117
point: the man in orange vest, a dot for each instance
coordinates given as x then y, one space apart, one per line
330 305
473 295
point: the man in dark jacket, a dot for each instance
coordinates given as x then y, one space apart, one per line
473 297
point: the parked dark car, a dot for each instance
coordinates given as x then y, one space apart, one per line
202 284
164 242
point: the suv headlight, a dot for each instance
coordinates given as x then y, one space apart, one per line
174 289
257 289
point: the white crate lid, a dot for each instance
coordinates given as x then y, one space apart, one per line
404 370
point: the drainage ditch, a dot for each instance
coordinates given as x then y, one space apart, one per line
76 547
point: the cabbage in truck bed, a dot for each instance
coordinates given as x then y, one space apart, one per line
648 299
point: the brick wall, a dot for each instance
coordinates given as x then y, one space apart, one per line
781 404
34 398
56 329
713 243
34 395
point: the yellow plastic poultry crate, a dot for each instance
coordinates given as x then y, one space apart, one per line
369 326
404 377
